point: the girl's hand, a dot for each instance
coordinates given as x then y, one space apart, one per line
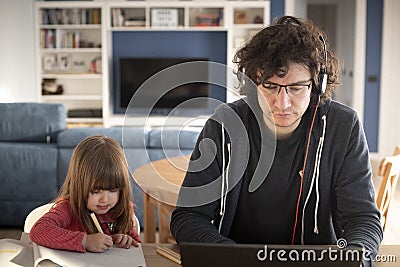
97 242
124 241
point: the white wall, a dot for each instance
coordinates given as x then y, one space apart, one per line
17 60
345 40
296 8
389 121
337 18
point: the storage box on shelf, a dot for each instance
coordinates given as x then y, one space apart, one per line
206 16
247 21
70 52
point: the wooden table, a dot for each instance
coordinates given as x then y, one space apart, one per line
160 181
153 259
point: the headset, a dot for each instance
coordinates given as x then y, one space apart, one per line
322 82
322 75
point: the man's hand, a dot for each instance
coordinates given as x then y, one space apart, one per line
97 242
124 241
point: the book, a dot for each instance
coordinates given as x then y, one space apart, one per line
14 253
135 23
113 257
170 252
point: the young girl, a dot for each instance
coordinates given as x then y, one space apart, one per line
97 182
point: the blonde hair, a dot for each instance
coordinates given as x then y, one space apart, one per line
98 163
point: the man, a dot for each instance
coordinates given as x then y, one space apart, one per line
286 165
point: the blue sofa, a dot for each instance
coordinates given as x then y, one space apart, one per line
36 147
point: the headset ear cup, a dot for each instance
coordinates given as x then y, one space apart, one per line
322 82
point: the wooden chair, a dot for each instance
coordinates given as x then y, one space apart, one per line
389 169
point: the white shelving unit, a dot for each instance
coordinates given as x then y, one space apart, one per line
70 52
245 19
86 89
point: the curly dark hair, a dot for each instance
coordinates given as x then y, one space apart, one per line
274 48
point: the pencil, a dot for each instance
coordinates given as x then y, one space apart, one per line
96 222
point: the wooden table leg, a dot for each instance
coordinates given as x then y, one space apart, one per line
164 218
149 214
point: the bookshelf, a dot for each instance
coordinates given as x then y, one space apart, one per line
75 42
70 52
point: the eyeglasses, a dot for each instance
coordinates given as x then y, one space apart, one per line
294 89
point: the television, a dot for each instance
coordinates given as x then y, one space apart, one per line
134 71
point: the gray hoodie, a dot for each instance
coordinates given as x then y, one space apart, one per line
338 176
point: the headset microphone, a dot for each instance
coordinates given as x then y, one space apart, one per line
323 76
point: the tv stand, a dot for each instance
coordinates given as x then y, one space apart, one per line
159 112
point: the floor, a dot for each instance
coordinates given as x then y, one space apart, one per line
14 233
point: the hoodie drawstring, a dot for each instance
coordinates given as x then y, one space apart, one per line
224 185
315 178
221 209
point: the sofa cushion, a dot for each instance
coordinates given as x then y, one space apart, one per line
28 171
31 122
135 137
14 212
70 138
174 138
126 137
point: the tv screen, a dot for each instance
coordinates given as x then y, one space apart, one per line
133 72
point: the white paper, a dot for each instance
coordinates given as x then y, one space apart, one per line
14 253
120 257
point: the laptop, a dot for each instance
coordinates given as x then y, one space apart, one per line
240 255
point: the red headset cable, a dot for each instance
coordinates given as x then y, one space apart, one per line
302 173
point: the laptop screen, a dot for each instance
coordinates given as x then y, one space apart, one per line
232 255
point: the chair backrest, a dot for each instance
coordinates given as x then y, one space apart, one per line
389 168
137 224
38 212
34 215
